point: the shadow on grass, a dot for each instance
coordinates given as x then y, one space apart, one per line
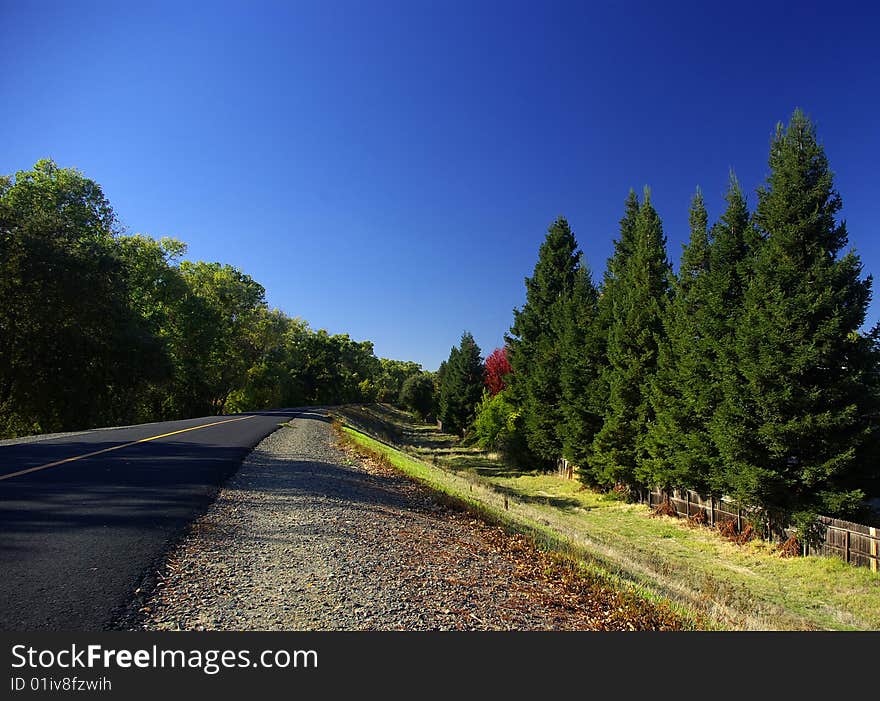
544 500
426 442
478 463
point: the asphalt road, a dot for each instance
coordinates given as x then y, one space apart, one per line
77 536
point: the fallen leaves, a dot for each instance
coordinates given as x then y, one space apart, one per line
543 586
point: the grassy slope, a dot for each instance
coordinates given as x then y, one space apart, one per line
738 586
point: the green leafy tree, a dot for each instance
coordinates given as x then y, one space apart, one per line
155 291
794 420
535 341
331 369
417 395
72 350
638 295
235 305
498 427
492 424
391 378
267 381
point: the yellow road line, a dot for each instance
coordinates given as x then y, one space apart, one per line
119 447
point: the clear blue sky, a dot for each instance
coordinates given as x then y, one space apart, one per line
389 169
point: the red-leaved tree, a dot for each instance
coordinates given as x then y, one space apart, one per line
497 369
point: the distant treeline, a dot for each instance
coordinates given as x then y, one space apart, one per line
100 328
745 374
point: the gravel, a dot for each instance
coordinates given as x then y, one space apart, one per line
306 536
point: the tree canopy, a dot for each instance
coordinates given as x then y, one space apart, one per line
101 328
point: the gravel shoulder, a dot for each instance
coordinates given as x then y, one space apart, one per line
309 536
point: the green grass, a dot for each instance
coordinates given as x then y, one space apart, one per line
736 586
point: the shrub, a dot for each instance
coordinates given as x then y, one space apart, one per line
498 426
417 395
491 424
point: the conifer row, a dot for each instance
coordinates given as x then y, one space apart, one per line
745 374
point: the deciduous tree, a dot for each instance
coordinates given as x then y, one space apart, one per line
497 370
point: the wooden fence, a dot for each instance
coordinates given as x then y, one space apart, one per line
564 469
687 503
854 543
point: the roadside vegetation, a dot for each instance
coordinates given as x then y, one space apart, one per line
99 327
746 374
714 581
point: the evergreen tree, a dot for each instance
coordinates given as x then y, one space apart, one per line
535 343
582 355
610 291
636 299
793 419
461 387
695 356
626 244
676 439
447 406
735 243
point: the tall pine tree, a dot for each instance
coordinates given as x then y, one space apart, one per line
608 293
636 299
582 358
446 399
461 386
535 341
735 244
793 419
675 440
696 355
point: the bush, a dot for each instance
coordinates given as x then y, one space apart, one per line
498 426
367 391
491 423
417 395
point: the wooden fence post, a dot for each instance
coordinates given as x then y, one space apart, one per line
687 504
846 546
712 511
739 519
875 546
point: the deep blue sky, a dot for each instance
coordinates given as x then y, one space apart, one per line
389 169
